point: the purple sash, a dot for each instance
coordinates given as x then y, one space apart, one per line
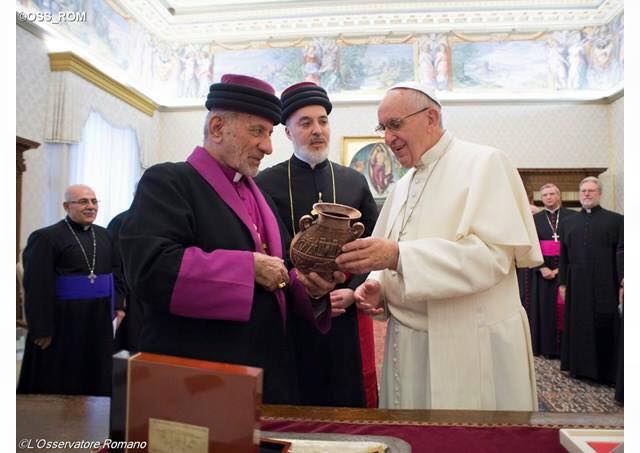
550 248
71 287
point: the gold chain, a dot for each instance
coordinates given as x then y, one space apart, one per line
333 186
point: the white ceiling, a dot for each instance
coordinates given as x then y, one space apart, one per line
247 20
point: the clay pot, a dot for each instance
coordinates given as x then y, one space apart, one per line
315 247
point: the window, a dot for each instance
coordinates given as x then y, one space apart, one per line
106 159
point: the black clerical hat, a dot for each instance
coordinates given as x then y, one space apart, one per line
241 93
302 94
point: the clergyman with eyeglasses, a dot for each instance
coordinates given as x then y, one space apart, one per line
443 258
73 291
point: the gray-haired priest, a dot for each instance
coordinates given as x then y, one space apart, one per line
203 249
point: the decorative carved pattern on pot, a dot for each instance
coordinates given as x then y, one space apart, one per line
315 247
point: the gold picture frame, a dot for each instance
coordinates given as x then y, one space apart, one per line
370 156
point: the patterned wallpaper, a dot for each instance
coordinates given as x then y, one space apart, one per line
32 80
534 135
617 145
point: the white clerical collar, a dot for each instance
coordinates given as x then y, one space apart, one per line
552 211
237 177
436 151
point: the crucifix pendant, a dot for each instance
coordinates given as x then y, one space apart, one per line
92 277
555 237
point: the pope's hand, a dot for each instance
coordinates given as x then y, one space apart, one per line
368 254
369 297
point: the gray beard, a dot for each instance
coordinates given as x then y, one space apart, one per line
590 206
313 158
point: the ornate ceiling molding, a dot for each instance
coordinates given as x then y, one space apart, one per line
68 61
228 22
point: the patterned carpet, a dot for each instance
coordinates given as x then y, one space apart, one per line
557 392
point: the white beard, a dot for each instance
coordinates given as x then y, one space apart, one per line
313 158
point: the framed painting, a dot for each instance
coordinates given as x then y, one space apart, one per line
370 156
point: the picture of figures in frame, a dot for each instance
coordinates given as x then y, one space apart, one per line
375 160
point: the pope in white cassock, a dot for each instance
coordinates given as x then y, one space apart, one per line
444 254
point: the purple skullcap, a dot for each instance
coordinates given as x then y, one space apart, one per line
241 93
302 94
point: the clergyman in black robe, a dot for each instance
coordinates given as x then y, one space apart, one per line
591 279
337 368
619 395
72 293
203 249
546 314
129 330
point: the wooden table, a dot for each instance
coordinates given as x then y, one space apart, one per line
77 418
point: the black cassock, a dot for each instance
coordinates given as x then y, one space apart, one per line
589 242
129 330
329 366
78 361
545 335
619 396
177 210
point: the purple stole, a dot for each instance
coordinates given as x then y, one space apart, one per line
552 248
265 221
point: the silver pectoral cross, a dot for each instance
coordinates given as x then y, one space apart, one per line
555 237
92 277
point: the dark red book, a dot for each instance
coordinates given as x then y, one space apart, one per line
187 405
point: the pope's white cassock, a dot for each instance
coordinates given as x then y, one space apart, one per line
458 337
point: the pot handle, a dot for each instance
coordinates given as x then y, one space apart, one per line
357 229
305 222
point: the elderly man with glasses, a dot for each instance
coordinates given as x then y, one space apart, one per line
443 258
73 290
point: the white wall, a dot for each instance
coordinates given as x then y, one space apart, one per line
535 135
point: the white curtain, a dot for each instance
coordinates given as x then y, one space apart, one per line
69 102
108 160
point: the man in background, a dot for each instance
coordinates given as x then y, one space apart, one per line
546 314
129 331
73 290
590 279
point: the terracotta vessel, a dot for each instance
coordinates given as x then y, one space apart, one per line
317 244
